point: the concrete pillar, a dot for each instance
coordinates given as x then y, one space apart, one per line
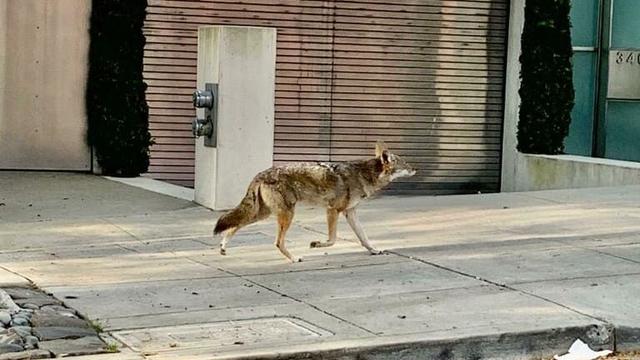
511 98
241 60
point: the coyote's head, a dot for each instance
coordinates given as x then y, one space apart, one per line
393 166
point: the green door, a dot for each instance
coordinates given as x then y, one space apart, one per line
621 127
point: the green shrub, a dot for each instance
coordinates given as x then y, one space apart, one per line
546 91
117 110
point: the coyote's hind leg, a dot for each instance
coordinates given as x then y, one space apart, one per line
284 221
225 239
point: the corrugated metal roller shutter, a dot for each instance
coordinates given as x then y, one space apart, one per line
425 76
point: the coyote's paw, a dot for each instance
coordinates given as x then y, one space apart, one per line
223 252
376 252
320 244
296 260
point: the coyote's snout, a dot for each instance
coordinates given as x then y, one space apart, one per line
337 186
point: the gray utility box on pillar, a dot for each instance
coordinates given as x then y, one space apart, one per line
235 111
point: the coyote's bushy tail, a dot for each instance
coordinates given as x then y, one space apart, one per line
244 213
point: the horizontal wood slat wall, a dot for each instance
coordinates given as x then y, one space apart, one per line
426 76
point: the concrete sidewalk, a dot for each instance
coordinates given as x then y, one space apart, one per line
516 275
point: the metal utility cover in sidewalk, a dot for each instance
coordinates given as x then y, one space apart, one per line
220 334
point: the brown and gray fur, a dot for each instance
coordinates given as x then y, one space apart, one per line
337 186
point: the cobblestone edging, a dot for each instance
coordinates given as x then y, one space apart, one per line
34 325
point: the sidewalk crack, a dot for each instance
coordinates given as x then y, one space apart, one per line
616 256
121 229
531 196
594 277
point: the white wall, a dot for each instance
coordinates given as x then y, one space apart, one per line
43 69
547 172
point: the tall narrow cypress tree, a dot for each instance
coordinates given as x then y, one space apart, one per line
117 110
546 91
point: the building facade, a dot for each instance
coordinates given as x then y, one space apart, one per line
606 62
437 80
425 76
602 142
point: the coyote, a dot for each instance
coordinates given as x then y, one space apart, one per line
337 186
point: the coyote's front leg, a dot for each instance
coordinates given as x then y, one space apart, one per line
332 223
352 219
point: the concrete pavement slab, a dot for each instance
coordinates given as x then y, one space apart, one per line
157 186
111 269
612 298
512 245
408 205
462 309
67 232
612 238
355 282
453 223
264 233
589 196
412 230
343 256
392 227
601 222
288 309
193 221
248 333
252 250
62 251
158 297
176 246
35 196
509 265
266 259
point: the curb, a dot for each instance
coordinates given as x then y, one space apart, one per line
627 338
526 345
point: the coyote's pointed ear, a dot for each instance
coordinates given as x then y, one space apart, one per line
382 152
